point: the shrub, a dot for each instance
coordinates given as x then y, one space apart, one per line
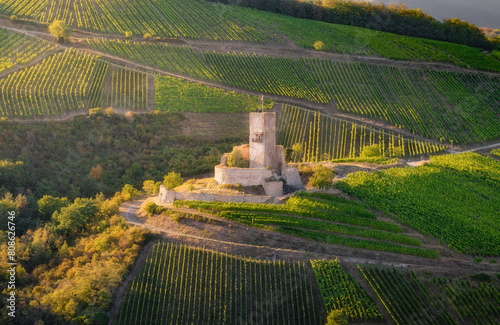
298 151
128 192
109 111
322 177
371 151
14 18
95 111
172 180
496 54
151 187
60 30
153 208
305 170
236 159
319 45
128 34
337 317
482 277
129 116
147 36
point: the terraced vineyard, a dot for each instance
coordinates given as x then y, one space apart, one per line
174 95
361 41
184 285
17 49
204 20
64 82
320 217
440 301
116 16
454 198
199 19
447 106
161 18
340 291
128 89
180 60
321 137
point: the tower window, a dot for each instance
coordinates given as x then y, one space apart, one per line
257 137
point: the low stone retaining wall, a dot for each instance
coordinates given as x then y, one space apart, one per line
243 176
167 196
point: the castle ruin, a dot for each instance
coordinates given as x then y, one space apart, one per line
266 160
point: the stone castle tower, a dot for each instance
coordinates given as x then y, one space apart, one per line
262 140
267 165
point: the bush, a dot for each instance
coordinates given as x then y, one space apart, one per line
95 111
322 177
147 36
14 18
172 180
151 187
128 34
298 151
128 192
153 208
319 46
236 159
60 30
482 277
371 151
337 317
109 111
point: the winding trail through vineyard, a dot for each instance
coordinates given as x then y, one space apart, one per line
289 52
283 51
452 263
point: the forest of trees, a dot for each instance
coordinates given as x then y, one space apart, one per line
65 182
101 153
70 260
393 18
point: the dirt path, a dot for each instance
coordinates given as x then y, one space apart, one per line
260 49
291 247
288 50
120 292
287 247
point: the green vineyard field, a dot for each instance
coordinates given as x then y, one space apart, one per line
174 95
440 301
321 137
64 82
18 49
184 285
449 107
340 291
126 89
193 19
72 81
453 198
323 218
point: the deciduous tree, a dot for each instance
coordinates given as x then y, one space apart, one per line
60 30
322 177
172 180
